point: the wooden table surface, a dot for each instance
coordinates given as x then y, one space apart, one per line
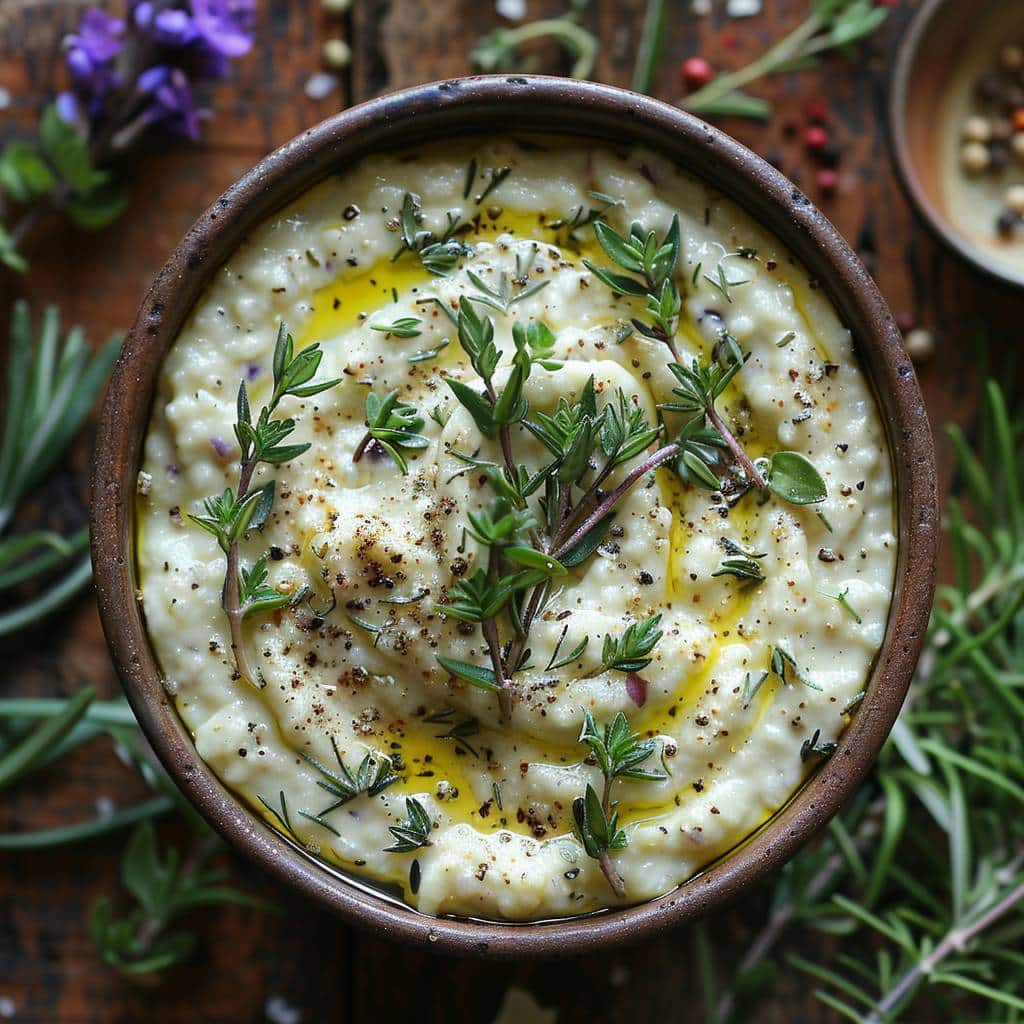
316 965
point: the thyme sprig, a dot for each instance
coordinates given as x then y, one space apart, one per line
630 651
650 266
392 425
524 549
232 515
790 475
619 754
439 254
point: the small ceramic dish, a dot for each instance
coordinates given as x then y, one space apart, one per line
468 107
948 46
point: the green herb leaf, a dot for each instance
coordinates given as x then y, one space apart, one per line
794 479
629 652
475 675
414 832
403 327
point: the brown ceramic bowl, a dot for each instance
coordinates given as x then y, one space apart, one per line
945 44
480 105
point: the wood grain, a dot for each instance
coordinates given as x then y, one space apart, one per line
327 972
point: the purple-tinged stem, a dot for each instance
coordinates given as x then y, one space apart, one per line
749 469
232 595
605 507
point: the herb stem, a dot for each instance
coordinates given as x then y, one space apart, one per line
786 49
569 520
505 436
606 506
749 469
489 628
533 606
576 39
88 829
955 941
362 446
614 878
232 596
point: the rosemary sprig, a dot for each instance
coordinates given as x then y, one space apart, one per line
374 774
503 297
165 888
231 516
923 875
51 387
832 24
403 327
619 755
745 569
414 832
783 664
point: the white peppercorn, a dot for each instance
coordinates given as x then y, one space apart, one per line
974 157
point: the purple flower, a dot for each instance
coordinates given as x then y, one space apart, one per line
225 25
67 107
220 446
252 371
173 104
173 27
98 35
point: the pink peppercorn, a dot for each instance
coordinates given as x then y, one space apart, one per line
815 138
828 180
696 72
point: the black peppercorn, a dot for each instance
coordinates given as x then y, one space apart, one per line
1006 223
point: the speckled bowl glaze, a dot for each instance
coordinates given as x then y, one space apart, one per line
921 112
476 106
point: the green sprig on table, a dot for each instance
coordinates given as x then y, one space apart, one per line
830 25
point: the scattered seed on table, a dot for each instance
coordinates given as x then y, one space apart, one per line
336 53
920 344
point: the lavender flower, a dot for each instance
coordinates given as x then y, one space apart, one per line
129 77
119 91
171 102
98 37
225 25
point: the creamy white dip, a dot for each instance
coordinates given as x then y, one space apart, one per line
370 535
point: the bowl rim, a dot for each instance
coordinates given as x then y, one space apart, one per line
907 52
468 106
